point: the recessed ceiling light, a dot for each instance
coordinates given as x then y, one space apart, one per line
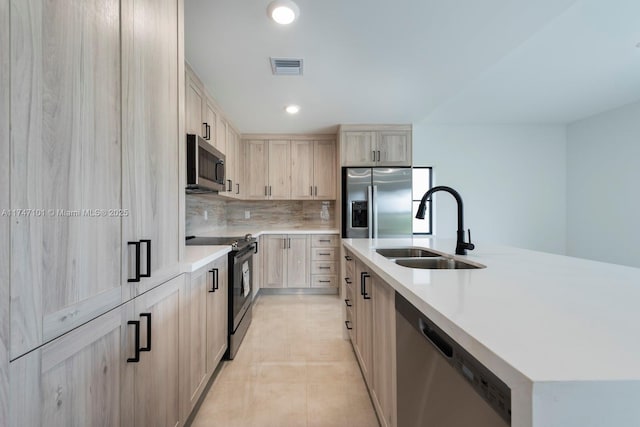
292 109
284 12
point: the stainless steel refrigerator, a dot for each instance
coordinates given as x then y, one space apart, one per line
376 202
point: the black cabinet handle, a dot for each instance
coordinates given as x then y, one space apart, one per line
316 192
148 243
269 190
237 188
348 258
378 155
256 250
205 130
363 285
230 188
348 280
324 268
148 316
347 322
324 281
374 155
137 273
135 358
324 253
214 282
265 191
347 302
311 190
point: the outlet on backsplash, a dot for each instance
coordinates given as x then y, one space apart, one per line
247 214
205 215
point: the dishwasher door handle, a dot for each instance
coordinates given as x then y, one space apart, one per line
434 338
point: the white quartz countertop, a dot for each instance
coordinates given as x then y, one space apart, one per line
196 257
528 316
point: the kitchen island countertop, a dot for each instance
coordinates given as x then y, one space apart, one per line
562 332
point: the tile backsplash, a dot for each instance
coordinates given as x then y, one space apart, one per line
223 213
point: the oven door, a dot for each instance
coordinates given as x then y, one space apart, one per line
242 278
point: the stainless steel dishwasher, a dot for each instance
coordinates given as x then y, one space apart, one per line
439 383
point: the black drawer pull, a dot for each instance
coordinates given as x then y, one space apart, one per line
148 316
324 281
324 268
348 280
347 322
325 240
135 358
348 258
347 303
324 253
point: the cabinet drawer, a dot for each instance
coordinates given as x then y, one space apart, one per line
323 281
324 241
323 254
322 267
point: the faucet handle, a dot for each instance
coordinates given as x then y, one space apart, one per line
470 245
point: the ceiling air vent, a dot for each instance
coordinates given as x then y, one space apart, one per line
286 66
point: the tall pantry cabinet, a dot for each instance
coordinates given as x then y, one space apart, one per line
93 215
4 219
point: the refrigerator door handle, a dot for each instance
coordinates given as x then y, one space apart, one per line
370 210
375 211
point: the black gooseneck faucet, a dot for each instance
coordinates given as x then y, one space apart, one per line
461 245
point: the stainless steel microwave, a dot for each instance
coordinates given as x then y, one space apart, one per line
205 166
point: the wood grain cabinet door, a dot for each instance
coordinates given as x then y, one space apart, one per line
156 376
394 148
302 162
65 166
279 170
150 138
194 348
5 221
275 261
217 310
76 379
298 261
324 170
384 352
195 122
358 148
256 169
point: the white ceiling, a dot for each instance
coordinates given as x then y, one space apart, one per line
365 61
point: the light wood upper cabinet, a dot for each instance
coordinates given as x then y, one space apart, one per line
194 100
358 148
231 163
313 170
302 170
324 170
150 139
65 157
394 148
256 169
384 145
279 170
215 132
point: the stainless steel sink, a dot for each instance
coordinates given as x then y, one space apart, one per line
440 263
406 253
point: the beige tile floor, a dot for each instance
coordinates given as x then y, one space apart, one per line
294 369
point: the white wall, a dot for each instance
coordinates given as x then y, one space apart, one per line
512 180
603 176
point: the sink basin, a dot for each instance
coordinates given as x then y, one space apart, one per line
406 253
439 263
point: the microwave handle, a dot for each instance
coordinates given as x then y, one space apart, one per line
220 163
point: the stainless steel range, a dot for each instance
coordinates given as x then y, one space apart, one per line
241 277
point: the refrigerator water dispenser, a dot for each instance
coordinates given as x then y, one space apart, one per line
359 214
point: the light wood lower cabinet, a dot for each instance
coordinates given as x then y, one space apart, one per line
370 314
94 375
286 261
384 352
203 330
